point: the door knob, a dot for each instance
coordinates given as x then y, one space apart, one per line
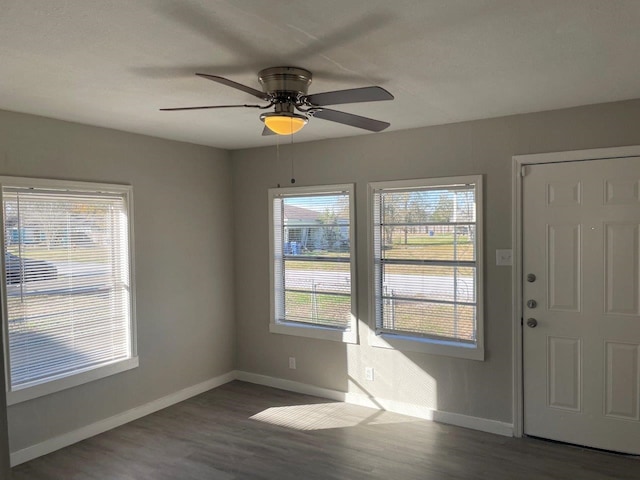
531 278
532 323
532 303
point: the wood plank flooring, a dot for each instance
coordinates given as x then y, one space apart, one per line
245 431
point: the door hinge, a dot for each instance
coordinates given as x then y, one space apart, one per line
521 321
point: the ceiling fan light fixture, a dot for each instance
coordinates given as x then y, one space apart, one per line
284 123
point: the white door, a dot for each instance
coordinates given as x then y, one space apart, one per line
581 240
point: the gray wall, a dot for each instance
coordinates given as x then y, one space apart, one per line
183 262
4 430
185 258
481 389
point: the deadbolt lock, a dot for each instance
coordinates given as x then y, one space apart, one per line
532 303
531 278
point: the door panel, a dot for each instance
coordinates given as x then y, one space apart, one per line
563 267
621 271
581 360
564 373
622 395
622 191
560 194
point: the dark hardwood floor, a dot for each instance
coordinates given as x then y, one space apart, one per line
245 431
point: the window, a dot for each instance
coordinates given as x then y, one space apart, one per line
67 295
312 262
427 265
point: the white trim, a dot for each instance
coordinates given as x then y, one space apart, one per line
422 345
69 381
312 331
578 155
413 410
69 438
4 312
416 343
518 162
133 326
474 423
290 385
516 299
349 335
64 185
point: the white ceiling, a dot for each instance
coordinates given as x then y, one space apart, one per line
113 63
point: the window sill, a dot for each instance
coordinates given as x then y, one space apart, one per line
48 387
422 345
312 331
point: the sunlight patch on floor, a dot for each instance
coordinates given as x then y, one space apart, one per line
319 416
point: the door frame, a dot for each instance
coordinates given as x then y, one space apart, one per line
519 164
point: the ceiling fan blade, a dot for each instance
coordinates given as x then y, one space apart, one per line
351 119
208 107
352 95
206 22
267 131
238 86
359 29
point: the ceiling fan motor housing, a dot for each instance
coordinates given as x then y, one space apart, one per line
286 84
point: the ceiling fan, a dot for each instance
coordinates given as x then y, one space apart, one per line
285 89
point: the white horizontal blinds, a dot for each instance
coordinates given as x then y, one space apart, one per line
425 261
312 259
67 282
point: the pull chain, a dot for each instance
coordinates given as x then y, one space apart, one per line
293 180
277 155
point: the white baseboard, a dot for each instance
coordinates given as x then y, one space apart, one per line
291 386
56 443
474 423
426 413
69 438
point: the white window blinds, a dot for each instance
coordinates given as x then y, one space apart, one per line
68 297
425 260
312 260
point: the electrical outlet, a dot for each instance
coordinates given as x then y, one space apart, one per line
368 373
292 363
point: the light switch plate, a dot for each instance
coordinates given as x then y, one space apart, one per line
504 257
368 373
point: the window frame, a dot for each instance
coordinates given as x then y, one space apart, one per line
418 343
348 335
63 382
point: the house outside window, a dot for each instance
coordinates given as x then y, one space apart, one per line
68 296
313 262
426 284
